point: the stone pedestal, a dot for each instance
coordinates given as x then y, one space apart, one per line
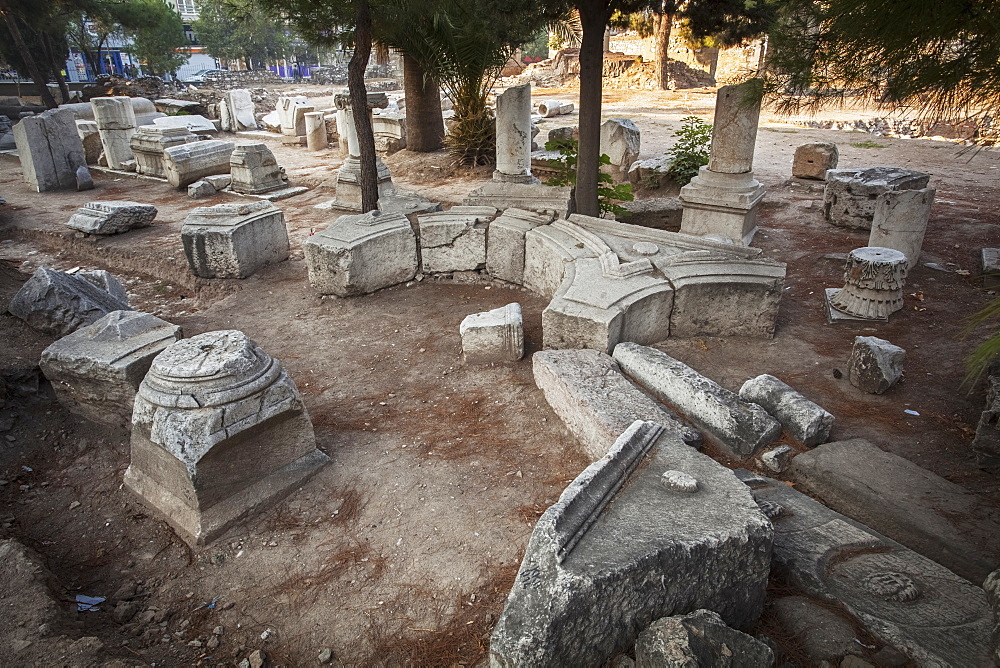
360 254
112 217
874 285
721 202
239 111
390 132
291 115
900 221
514 136
115 119
149 142
187 163
49 149
619 141
812 161
219 431
316 139
234 240
254 170
96 370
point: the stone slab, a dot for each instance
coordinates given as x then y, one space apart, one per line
911 505
596 402
850 195
188 163
505 243
112 217
620 550
700 638
454 240
556 201
741 427
50 150
902 598
96 370
58 303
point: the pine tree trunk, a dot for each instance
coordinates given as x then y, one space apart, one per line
594 15
53 58
664 23
29 60
424 122
359 106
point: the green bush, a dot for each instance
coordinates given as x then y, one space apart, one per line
691 150
608 192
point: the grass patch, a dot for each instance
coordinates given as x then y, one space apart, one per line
868 144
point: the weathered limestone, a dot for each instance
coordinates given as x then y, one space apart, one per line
200 189
514 136
902 598
812 161
254 170
91 138
148 144
58 303
188 163
493 336
390 132
116 122
219 431
650 173
239 111
986 445
316 138
550 108
198 125
925 512
49 149
700 638
96 370
620 141
234 240
112 217
851 195
454 240
721 202
84 180
359 254
505 243
875 364
990 266
620 550
822 633
900 221
590 394
291 114
778 459
742 427
873 288
806 422
554 201
992 588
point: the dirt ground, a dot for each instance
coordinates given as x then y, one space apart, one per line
402 550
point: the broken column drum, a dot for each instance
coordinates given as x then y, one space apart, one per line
514 136
115 119
349 176
219 431
721 202
254 170
874 284
316 138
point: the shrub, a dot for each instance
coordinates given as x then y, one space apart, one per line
608 192
691 149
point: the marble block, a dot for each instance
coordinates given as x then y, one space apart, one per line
493 336
188 163
234 240
112 217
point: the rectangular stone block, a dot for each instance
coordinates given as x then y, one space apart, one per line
234 240
742 427
454 240
149 142
990 266
362 253
111 217
254 170
50 150
91 138
596 402
493 336
96 370
505 243
59 303
188 163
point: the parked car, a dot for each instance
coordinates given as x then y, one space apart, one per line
199 76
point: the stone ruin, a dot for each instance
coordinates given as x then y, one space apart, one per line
237 111
291 115
234 240
188 163
874 286
208 406
851 195
50 150
116 123
254 170
607 281
59 303
149 142
111 217
721 202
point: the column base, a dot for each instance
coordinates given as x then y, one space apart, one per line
721 206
